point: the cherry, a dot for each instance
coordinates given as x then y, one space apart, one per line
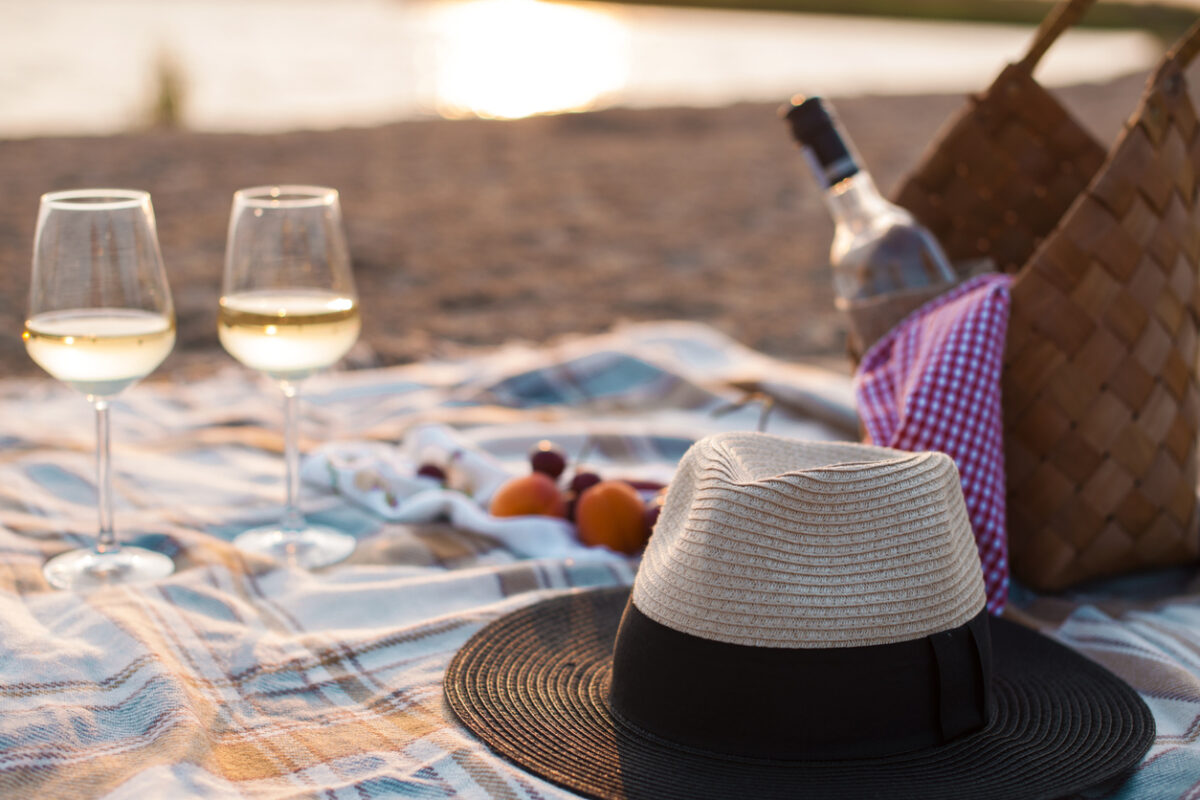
432 471
583 481
651 515
547 459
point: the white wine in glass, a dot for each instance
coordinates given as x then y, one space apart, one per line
100 319
289 309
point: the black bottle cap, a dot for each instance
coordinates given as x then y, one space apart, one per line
815 128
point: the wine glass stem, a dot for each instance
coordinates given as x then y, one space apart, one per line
293 520
106 538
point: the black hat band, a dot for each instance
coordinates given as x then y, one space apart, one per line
800 703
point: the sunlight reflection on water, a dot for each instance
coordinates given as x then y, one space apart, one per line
551 57
87 66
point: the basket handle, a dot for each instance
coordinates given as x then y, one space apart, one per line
1185 50
1061 17
1168 76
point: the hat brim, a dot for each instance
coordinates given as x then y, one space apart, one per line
532 685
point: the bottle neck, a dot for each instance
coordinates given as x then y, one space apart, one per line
855 201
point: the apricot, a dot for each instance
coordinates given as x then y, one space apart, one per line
535 493
611 513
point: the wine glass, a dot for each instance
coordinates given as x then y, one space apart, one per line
100 319
289 309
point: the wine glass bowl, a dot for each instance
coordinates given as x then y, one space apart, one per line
99 352
289 308
288 335
100 319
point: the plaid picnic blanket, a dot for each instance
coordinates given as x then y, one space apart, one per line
239 677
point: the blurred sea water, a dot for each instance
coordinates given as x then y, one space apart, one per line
93 66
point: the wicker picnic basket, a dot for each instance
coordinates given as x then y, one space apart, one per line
1100 393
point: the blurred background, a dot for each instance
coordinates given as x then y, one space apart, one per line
482 207
106 66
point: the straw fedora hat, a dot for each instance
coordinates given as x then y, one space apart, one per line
808 620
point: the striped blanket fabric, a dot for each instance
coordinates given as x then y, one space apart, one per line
239 677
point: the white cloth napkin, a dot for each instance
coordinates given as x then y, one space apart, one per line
383 479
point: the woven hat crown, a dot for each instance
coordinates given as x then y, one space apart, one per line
771 542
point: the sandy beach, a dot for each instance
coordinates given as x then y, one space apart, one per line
469 234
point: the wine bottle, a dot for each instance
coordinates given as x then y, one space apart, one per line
884 263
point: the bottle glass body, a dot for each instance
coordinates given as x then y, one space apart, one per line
878 248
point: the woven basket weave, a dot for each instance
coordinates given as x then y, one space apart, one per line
1100 394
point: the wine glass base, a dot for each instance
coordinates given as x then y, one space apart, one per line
88 569
310 547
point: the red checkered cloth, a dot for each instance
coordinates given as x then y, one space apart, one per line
933 383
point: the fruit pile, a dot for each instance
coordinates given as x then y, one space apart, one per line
609 512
